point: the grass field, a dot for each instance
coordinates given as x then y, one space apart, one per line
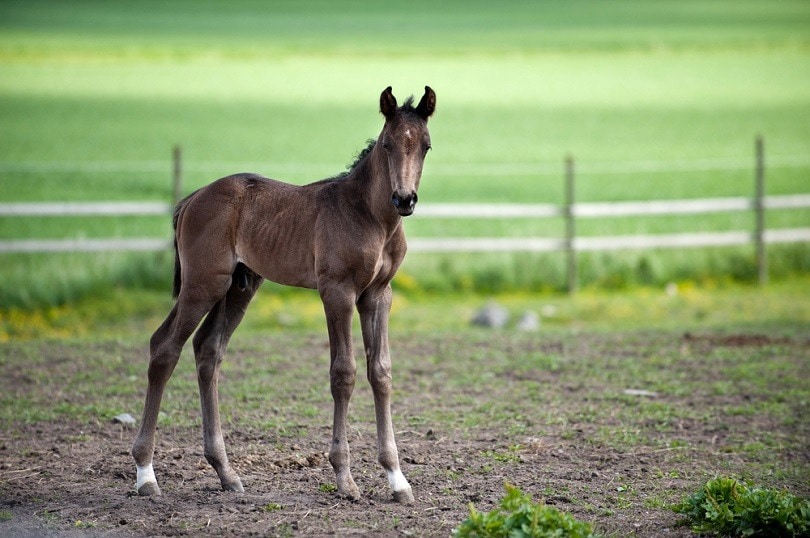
654 101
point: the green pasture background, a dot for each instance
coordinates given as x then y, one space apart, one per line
654 100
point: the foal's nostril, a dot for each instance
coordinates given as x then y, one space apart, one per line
404 204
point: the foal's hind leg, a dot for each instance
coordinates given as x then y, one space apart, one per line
210 343
165 347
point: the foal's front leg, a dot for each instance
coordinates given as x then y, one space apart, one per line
374 308
338 304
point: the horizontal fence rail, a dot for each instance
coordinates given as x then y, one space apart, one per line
611 209
570 211
84 209
129 244
604 243
454 211
449 211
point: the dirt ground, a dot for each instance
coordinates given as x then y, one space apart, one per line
84 488
77 478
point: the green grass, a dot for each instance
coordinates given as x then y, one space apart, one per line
653 100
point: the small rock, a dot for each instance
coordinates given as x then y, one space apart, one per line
529 321
492 315
548 311
124 418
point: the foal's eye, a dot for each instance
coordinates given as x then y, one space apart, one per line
386 146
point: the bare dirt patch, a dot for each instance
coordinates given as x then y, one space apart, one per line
546 413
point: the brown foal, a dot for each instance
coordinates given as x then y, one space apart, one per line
342 236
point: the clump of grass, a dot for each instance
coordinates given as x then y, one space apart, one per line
726 506
519 516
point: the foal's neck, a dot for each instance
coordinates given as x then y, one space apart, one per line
372 180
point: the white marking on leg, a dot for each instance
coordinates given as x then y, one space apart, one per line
146 474
397 480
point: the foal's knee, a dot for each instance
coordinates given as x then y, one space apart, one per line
379 376
342 375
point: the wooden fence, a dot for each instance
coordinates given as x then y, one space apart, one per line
571 211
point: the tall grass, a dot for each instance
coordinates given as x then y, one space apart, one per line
528 272
35 280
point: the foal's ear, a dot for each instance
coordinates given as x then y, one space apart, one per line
427 104
388 103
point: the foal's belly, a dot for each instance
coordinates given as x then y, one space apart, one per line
284 266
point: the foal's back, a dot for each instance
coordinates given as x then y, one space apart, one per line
283 232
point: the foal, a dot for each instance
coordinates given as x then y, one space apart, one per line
342 236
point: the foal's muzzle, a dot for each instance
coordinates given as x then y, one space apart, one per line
404 204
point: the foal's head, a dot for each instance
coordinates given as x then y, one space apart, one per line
406 141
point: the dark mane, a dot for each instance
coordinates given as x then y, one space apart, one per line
362 155
406 107
357 160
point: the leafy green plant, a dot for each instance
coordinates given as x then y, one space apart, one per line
725 506
518 516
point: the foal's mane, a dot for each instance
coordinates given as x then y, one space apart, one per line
370 143
407 107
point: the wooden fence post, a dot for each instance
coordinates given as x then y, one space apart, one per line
759 208
177 174
570 226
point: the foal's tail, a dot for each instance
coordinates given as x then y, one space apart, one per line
177 210
177 280
243 276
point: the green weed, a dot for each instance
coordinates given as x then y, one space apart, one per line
271 507
510 455
519 516
726 506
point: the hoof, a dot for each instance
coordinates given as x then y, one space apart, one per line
346 487
351 492
352 496
234 486
148 489
404 496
